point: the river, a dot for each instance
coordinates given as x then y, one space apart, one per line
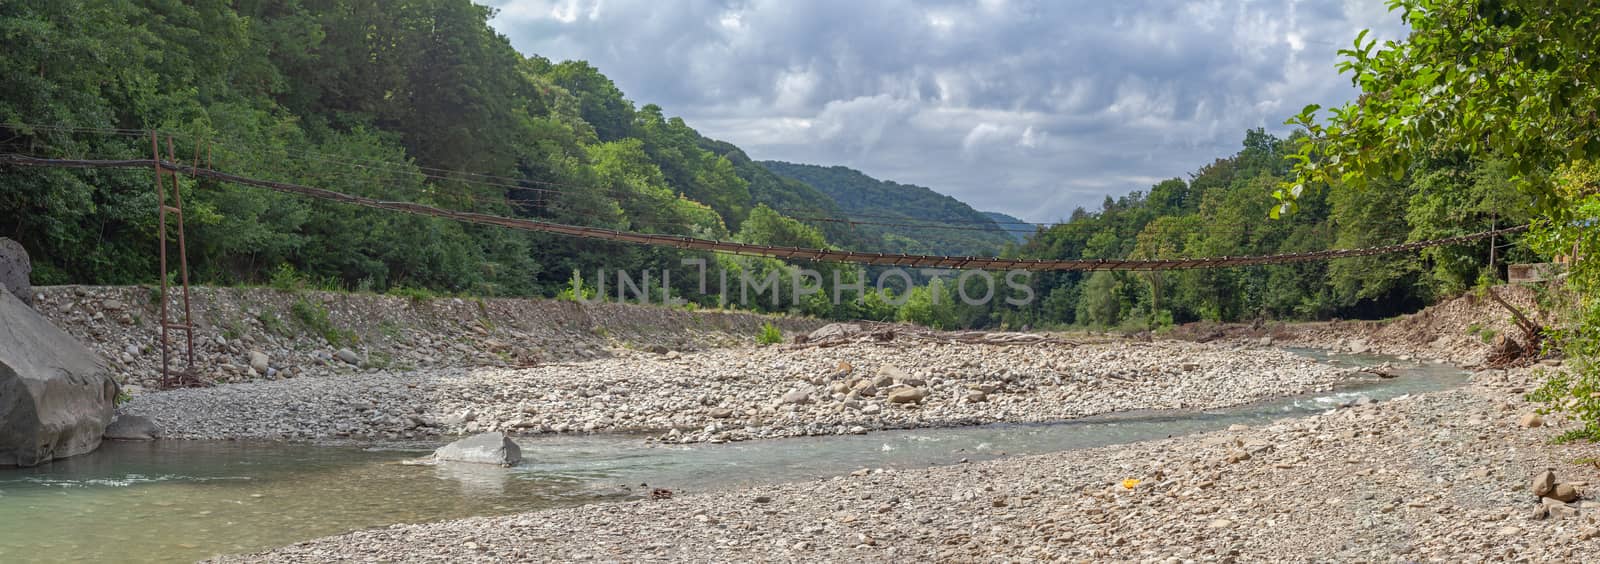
171 501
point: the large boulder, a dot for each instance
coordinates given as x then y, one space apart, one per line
56 395
15 269
483 448
133 428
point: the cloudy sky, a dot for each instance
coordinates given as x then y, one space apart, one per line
1028 108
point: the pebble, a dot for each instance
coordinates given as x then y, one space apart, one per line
259 362
1009 509
694 398
1360 484
348 356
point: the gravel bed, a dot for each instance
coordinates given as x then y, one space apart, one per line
746 393
1438 477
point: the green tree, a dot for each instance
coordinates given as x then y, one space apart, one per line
1503 79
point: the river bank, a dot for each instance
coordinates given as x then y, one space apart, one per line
1436 476
1441 476
731 394
267 334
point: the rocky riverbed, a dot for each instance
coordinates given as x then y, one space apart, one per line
1439 477
740 393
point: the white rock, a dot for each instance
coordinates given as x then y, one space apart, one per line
258 361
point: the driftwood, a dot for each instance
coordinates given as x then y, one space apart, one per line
1512 351
1529 328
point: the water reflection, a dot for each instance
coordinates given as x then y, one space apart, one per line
475 480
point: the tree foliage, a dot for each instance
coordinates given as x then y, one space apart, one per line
888 213
1503 80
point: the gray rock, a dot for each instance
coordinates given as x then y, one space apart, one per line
56 395
1384 371
798 396
348 356
15 268
258 361
461 418
1543 483
912 381
835 330
1564 493
133 428
1555 508
865 388
887 376
486 448
908 395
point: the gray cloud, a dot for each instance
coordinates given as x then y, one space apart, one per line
1029 108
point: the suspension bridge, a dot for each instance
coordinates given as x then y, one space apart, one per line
746 249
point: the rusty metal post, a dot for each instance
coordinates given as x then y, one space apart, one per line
161 236
1494 221
183 261
185 377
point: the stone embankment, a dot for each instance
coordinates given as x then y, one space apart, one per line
256 334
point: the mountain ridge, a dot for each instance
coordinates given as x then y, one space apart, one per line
889 214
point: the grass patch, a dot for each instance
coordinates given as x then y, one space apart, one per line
286 279
379 360
413 294
389 329
314 316
769 335
273 324
232 329
1485 333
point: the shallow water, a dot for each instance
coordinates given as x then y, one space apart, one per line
186 500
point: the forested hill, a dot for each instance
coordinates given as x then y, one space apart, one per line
884 209
1019 229
422 101
1220 210
417 100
